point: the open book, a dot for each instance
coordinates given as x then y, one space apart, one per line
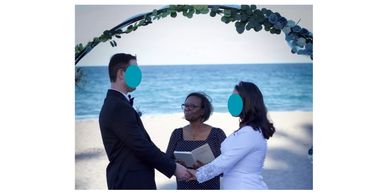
202 153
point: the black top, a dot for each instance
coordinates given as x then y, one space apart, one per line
177 143
132 154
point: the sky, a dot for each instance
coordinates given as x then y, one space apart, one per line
173 41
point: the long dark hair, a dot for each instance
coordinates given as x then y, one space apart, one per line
254 112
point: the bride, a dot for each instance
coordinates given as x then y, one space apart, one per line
243 152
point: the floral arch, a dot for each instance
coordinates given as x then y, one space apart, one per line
245 17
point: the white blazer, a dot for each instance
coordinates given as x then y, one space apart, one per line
241 161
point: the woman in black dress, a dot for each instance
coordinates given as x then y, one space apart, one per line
197 109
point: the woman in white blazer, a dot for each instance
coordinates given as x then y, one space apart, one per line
243 152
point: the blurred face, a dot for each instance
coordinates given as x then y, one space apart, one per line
192 109
122 76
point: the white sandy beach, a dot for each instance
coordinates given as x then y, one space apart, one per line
287 165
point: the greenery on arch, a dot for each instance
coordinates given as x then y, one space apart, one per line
244 17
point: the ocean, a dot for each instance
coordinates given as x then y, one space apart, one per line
285 87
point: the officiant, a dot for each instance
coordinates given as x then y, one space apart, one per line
197 109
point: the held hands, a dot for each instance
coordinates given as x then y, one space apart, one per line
193 174
182 173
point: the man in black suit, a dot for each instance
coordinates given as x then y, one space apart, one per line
132 154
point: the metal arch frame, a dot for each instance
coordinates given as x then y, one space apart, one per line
134 19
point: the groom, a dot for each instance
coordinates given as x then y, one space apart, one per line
132 154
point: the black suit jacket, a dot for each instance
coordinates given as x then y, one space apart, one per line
131 153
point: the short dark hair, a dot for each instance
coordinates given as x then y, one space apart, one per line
254 112
118 61
205 104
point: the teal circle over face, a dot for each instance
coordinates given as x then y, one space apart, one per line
235 105
133 76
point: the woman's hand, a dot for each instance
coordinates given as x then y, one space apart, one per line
193 175
198 164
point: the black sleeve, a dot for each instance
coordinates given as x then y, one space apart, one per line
126 127
220 138
172 144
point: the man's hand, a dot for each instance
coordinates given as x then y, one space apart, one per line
193 174
181 172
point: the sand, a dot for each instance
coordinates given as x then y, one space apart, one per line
287 164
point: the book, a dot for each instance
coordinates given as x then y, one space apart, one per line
202 153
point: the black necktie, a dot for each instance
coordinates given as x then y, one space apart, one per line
131 103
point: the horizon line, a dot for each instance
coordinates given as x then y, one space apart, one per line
205 64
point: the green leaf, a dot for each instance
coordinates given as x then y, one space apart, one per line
275 31
180 8
252 23
240 30
267 24
154 12
205 11
187 7
201 9
240 26
259 16
244 17
258 28
103 38
129 29
165 14
248 12
191 12
249 26
141 22
173 14
266 12
245 7
227 13
173 7
237 16
225 19
197 7
107 33
215 8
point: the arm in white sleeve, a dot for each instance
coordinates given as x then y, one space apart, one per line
237 148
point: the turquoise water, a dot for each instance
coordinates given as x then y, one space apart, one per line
286 87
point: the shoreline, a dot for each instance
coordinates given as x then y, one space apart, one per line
95 117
